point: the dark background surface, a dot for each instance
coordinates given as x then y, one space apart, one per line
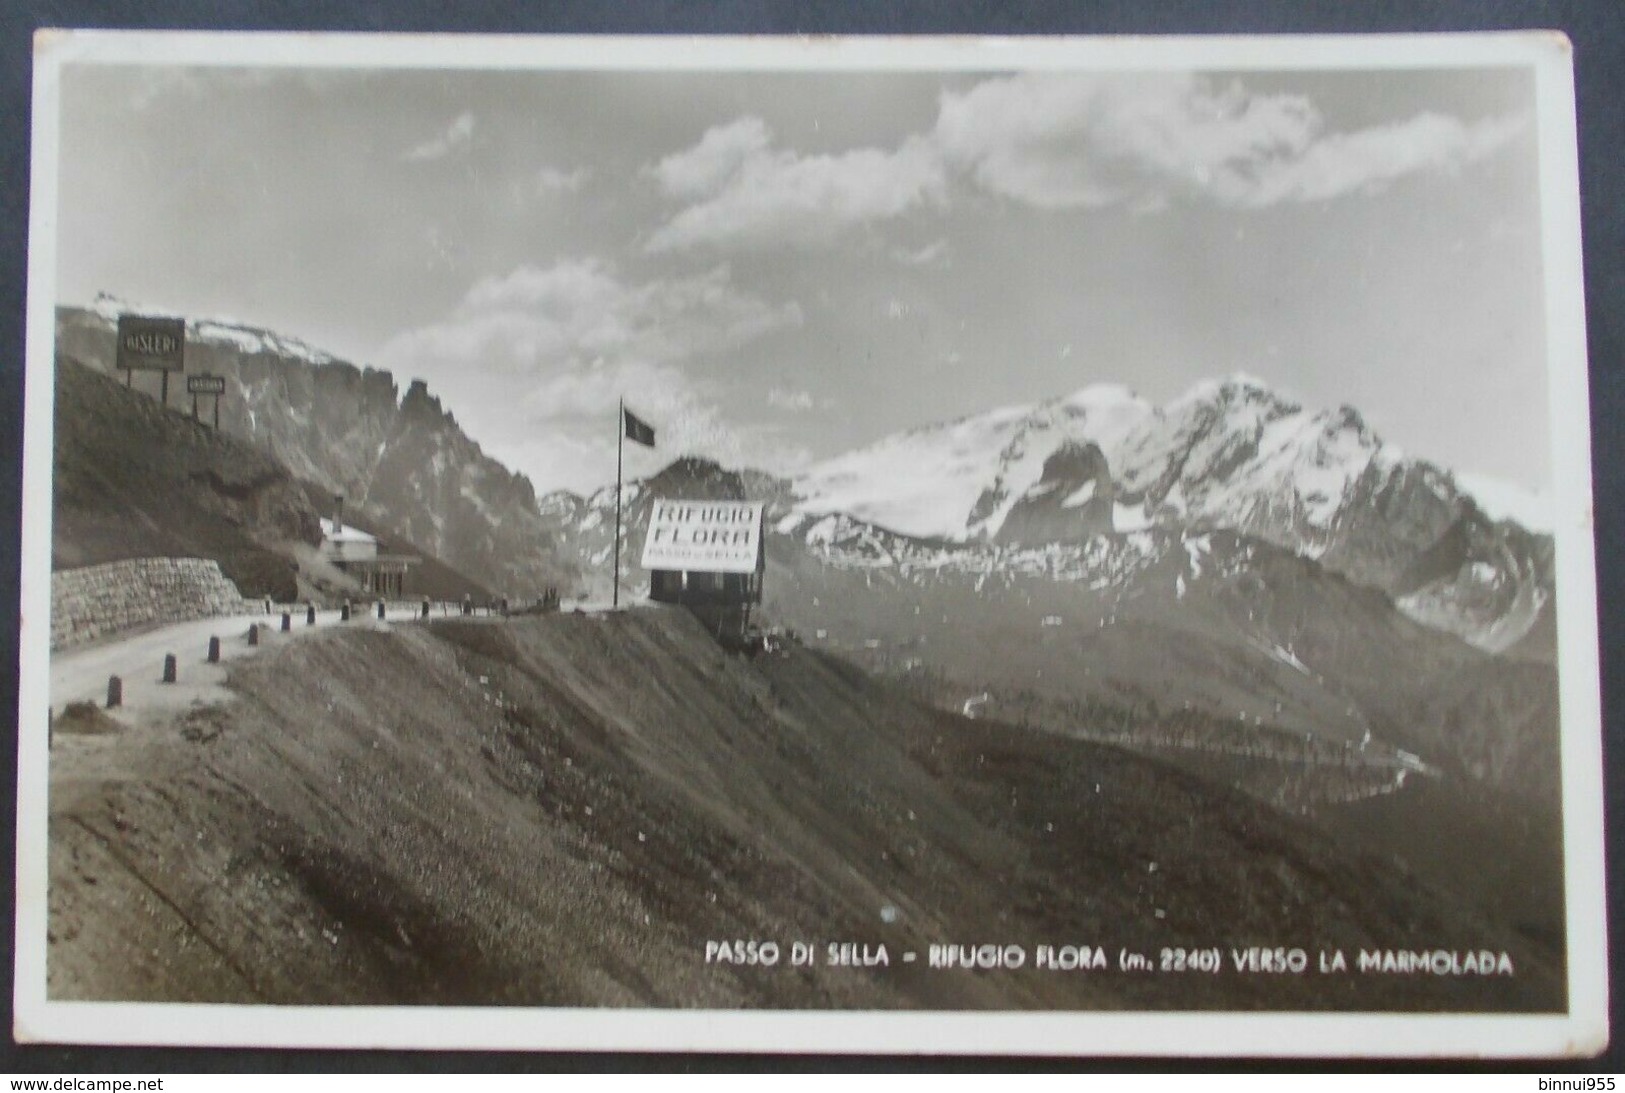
1596 28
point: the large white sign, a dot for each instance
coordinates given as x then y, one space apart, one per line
704 536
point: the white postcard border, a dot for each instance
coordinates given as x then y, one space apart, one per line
1582 1031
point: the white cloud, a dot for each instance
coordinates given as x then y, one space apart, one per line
744 193
571 428
456 137
1141 141
703 170
1369 159
796 401
929 255
1503 500
655 390
1093 140
577 312
551 180
1145 140
535 360
151 84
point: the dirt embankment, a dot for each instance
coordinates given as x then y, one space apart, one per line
134 480
566 809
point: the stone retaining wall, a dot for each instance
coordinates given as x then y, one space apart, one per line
104 599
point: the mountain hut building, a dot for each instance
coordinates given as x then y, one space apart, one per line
709 557
358 555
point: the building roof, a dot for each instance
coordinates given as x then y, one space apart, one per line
346 534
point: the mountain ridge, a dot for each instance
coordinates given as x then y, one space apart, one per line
400 461
1226 454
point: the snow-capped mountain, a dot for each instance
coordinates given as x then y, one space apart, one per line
1229 454
959 481
1230 552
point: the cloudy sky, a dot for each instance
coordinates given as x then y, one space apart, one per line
776 267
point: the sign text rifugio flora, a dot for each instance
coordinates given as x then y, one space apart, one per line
704 536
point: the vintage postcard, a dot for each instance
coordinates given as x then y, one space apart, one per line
1051 546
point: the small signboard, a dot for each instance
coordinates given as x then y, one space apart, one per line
205 384
149 344
704 536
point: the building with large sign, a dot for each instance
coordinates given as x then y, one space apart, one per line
357 554
709 557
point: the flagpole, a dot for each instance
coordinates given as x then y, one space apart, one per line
620 442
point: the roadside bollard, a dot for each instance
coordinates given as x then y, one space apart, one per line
380 608
253 633
214 650
344 612
267 605
287 621
310 614
425 607
169 667
115 692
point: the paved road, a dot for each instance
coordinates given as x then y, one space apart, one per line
81 674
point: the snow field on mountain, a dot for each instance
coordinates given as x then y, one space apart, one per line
922 483
1226 453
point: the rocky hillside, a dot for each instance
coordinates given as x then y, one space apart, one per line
401 462
134 481
566 810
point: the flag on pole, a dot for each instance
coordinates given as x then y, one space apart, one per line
638 430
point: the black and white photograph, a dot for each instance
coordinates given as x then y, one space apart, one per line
1048 546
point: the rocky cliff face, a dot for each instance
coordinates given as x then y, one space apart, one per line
1071 501
402 464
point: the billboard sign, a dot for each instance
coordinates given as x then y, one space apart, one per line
205 384
148 344
704 536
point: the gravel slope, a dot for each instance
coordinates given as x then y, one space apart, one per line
564 810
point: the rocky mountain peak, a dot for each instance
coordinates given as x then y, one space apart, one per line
698 478
421 407
1238 389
